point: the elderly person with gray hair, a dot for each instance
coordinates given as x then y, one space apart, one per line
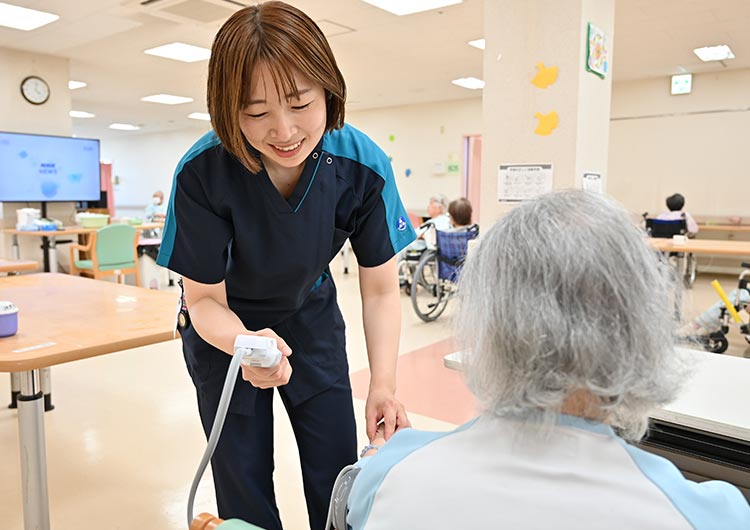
437 210
566 312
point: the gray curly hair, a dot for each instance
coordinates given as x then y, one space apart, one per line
563 295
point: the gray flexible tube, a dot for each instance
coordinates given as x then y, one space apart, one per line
213 438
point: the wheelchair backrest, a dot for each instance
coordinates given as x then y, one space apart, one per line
663 228
451 251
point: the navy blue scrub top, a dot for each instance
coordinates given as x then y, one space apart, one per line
225 223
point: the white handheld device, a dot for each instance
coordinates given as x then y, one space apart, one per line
257 351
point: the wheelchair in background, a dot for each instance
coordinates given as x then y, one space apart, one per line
666 229
717 341
435 276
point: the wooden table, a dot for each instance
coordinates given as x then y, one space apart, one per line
723 228
49 240
703 246
12 266
65 318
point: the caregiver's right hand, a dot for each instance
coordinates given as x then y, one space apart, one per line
278 375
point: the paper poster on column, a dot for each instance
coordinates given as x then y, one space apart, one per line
592 182
521 182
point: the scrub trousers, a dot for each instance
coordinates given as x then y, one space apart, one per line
243 462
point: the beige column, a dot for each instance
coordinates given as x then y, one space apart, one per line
540 103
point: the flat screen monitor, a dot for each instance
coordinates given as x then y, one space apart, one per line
40 168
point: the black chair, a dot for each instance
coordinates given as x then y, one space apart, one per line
666 229
663 228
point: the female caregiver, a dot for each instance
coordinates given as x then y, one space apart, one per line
259 207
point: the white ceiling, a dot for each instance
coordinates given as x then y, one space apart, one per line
386 60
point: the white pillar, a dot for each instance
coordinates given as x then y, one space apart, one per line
520 35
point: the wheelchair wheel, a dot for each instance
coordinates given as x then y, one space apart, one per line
427 295
717 343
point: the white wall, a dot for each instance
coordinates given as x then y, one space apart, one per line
659 144
424 135
695 144
145 163
18 115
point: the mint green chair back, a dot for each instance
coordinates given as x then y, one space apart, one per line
115 247
236 524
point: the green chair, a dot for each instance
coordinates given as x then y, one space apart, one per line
113 250
206 521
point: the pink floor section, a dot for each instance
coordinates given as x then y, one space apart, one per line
426 386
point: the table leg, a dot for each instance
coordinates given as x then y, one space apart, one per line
15 389
52 254
33 453
45 376
16 248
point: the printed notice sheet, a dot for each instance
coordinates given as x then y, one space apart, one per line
523 181
592 182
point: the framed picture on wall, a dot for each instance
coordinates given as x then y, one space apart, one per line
597 52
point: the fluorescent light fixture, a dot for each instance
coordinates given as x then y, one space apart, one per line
205 116
479 43
80 114
401 7
167 99
22 18
682 84
123 126
72 85
714 53
179 51
469 82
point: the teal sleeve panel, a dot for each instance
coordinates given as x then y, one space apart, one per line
351 144
706 505
207 141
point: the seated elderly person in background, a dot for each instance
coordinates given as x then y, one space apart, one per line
572 346
437 210
460 212
426 239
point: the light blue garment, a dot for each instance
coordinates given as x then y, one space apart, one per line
155 209
710 319
502 472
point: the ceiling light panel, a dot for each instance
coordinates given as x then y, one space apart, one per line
123 126
469 82
80 114
204 116
400 7
24 19
179 51
714 53
167 99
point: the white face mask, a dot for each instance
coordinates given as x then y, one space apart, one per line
156 201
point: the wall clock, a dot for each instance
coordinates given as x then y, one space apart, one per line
35 90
